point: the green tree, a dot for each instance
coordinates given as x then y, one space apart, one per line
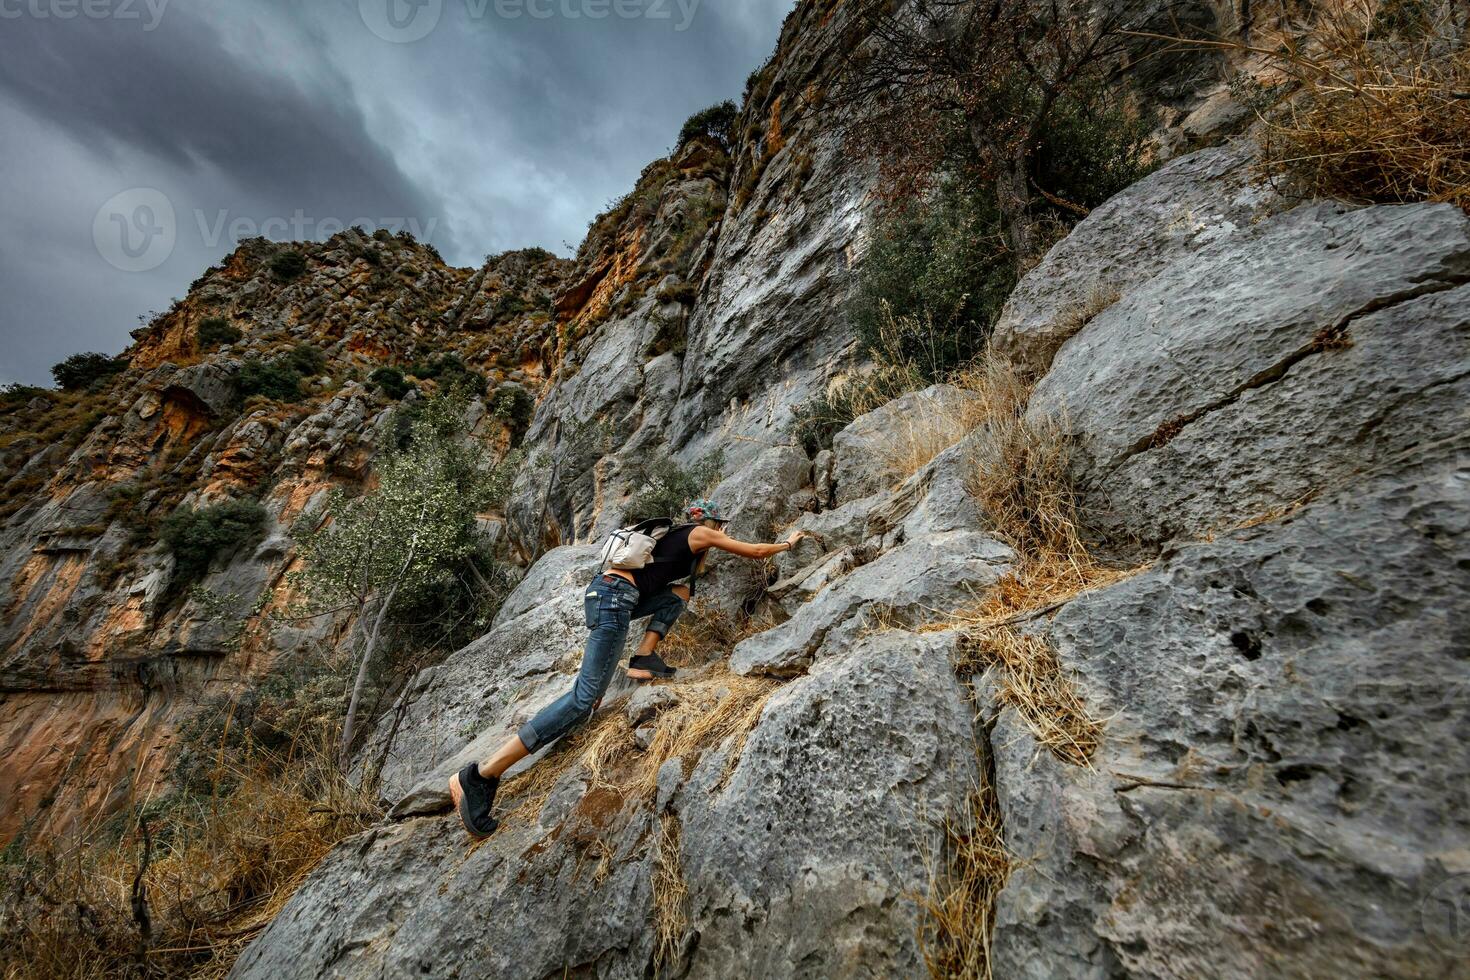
1000 75
83 370
394 544
390 381
943 262
716 121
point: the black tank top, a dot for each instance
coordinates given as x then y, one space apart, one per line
673 559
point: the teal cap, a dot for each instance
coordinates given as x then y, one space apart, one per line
711 510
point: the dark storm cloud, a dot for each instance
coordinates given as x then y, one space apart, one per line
495 132
180 95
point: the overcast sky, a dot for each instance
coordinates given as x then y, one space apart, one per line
142 138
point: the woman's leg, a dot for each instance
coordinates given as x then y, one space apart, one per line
609 605
664 610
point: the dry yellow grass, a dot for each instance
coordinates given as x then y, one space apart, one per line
217 873
1376 106
1020 477
1032 682
1383 113
670 894
711 707
959 908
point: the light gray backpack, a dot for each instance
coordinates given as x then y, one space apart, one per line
630 548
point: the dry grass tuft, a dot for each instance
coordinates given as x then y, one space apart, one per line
959 909
217 871
1020 473
1032 682
670 895
1020 477
1379 103
706 634
916 439
1383 114
716 707
596 745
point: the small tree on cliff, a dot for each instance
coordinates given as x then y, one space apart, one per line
398 542
992 73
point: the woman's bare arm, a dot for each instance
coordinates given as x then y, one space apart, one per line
704 538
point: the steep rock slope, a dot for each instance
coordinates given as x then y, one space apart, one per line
102 652
1279 785
1280 790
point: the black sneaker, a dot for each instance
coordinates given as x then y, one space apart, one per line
649 667
474 795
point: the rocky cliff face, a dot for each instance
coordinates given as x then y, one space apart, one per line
1266 399
103 655
1272 407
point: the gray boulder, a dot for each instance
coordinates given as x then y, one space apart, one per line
868 454
805 863
1234 382
1281 787
920 579
1184 206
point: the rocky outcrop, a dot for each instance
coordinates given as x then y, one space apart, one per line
1272 418
1280 790
1265 400
1233 382
103 654
716 358
1276 790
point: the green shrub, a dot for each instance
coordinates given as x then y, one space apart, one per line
940 265
944 256
279 379
197 536
271 379
306 360
664 488
1091 151
215 331
287 264
81 371
450 372
716 121
679 292
18 394
390 381
513 405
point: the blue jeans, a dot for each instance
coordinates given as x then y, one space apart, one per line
610 604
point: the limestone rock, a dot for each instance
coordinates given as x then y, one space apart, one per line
801 862
1233 383
926 577
868 453
1281 784
1187 204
